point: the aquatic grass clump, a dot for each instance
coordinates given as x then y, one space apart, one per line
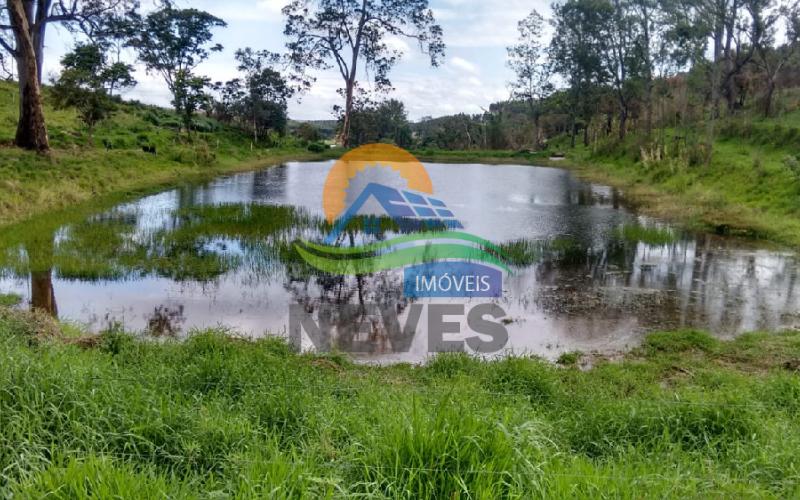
451 364
446 452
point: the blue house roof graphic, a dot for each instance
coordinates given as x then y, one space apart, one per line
411 210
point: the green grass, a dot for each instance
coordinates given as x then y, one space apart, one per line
9 299
114 164
684 416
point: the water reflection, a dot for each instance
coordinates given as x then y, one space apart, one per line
221 253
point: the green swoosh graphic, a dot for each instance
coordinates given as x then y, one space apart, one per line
430 236
399 258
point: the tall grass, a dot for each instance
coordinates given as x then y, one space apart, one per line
217 416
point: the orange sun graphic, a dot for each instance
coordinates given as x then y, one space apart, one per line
334 193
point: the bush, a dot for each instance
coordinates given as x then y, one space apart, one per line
317 147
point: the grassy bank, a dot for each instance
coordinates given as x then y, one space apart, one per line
751 187
114 163
683 416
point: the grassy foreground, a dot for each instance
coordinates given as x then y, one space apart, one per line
683 416
113 163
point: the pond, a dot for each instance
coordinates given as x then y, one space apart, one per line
588 274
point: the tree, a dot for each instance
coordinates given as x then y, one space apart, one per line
172 43
375 122
266 91
354 32
307 132
576 51
652 47
766 16
620 55
23 25
528 61
189 95
85 83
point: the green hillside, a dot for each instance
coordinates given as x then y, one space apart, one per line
116 161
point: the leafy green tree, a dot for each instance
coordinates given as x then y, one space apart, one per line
621 56
767 18
353 35
172 42
577 54
307 132
266 91
189 96
85 82
383 121
528 59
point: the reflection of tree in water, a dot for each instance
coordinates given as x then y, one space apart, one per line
349 304
43 296
703 282
363 309
194 243
165 321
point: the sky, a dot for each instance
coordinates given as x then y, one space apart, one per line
473 75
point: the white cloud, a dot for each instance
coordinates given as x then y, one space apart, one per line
463 65
475 23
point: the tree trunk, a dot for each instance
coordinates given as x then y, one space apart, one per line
31 129
43 296
648 117
768 98
573 133
586 133
348 110
623 123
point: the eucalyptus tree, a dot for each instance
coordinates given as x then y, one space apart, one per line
23 27
767 16
577 54
528 60
353 35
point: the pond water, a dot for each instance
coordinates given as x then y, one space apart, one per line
588 274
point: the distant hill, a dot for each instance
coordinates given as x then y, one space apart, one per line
326 128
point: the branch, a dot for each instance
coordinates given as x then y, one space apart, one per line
11 50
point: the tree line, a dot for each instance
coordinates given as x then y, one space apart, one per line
172 42
615 67
609 67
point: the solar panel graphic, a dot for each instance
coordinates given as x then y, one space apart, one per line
411 210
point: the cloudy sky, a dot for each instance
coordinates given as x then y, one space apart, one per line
473 75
